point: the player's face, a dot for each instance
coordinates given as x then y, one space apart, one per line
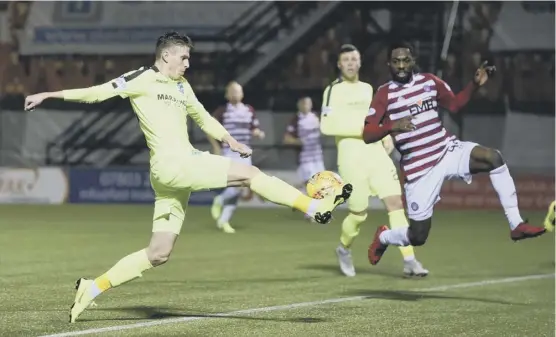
235 93
177 59
401 65
305 105
349 64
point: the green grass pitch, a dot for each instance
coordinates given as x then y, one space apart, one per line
275 258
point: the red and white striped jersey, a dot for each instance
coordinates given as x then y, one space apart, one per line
422 148
239 120
306 127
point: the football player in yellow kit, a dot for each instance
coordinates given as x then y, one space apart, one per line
163 99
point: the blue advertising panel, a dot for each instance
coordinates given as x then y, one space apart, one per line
119 186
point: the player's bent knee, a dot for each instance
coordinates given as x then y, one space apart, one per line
241 174
490 157
158 258
495 158
160 247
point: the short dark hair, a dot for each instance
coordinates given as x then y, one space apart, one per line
401 45
171 39
346 48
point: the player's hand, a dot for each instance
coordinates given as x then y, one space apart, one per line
243 150
32 101
483 73
388 144
258 133
236 146
403 124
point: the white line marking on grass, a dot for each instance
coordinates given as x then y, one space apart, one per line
290 306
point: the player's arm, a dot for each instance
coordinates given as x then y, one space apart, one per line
291 137
454 103
202 118
377 125
128 85
450 101
388 144
336 123
217 114
256 125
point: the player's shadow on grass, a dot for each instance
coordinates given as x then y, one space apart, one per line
335 269
154 313
414 296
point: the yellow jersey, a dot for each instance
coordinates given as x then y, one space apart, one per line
344 108
162 106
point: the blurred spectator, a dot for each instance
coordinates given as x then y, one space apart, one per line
14 76
524 76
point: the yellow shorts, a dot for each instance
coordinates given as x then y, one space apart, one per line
374 177
173 180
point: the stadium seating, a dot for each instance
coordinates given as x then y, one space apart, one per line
523 76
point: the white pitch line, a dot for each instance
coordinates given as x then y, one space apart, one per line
290 306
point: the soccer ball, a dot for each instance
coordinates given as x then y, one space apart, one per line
324 183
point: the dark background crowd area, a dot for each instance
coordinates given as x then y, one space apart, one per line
523 78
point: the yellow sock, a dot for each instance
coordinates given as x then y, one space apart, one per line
398 219
279 192
350 228
128 268
103 283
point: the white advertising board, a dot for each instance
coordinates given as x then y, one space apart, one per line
43 185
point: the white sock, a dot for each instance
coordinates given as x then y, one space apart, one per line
313 206
95 290
395 237
227 212
505 187
343 249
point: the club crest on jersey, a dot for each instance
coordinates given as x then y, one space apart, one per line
421 106
180 87
427 88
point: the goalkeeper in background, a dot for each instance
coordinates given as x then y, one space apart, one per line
367 167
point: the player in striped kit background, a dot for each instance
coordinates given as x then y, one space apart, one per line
303 131
407 108
240 121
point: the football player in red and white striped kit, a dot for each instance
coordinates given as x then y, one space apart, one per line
304 131
241 122
407 108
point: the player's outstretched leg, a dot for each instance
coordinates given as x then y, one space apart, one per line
397 219
279 192
549 219
127 269
483 159
223 208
